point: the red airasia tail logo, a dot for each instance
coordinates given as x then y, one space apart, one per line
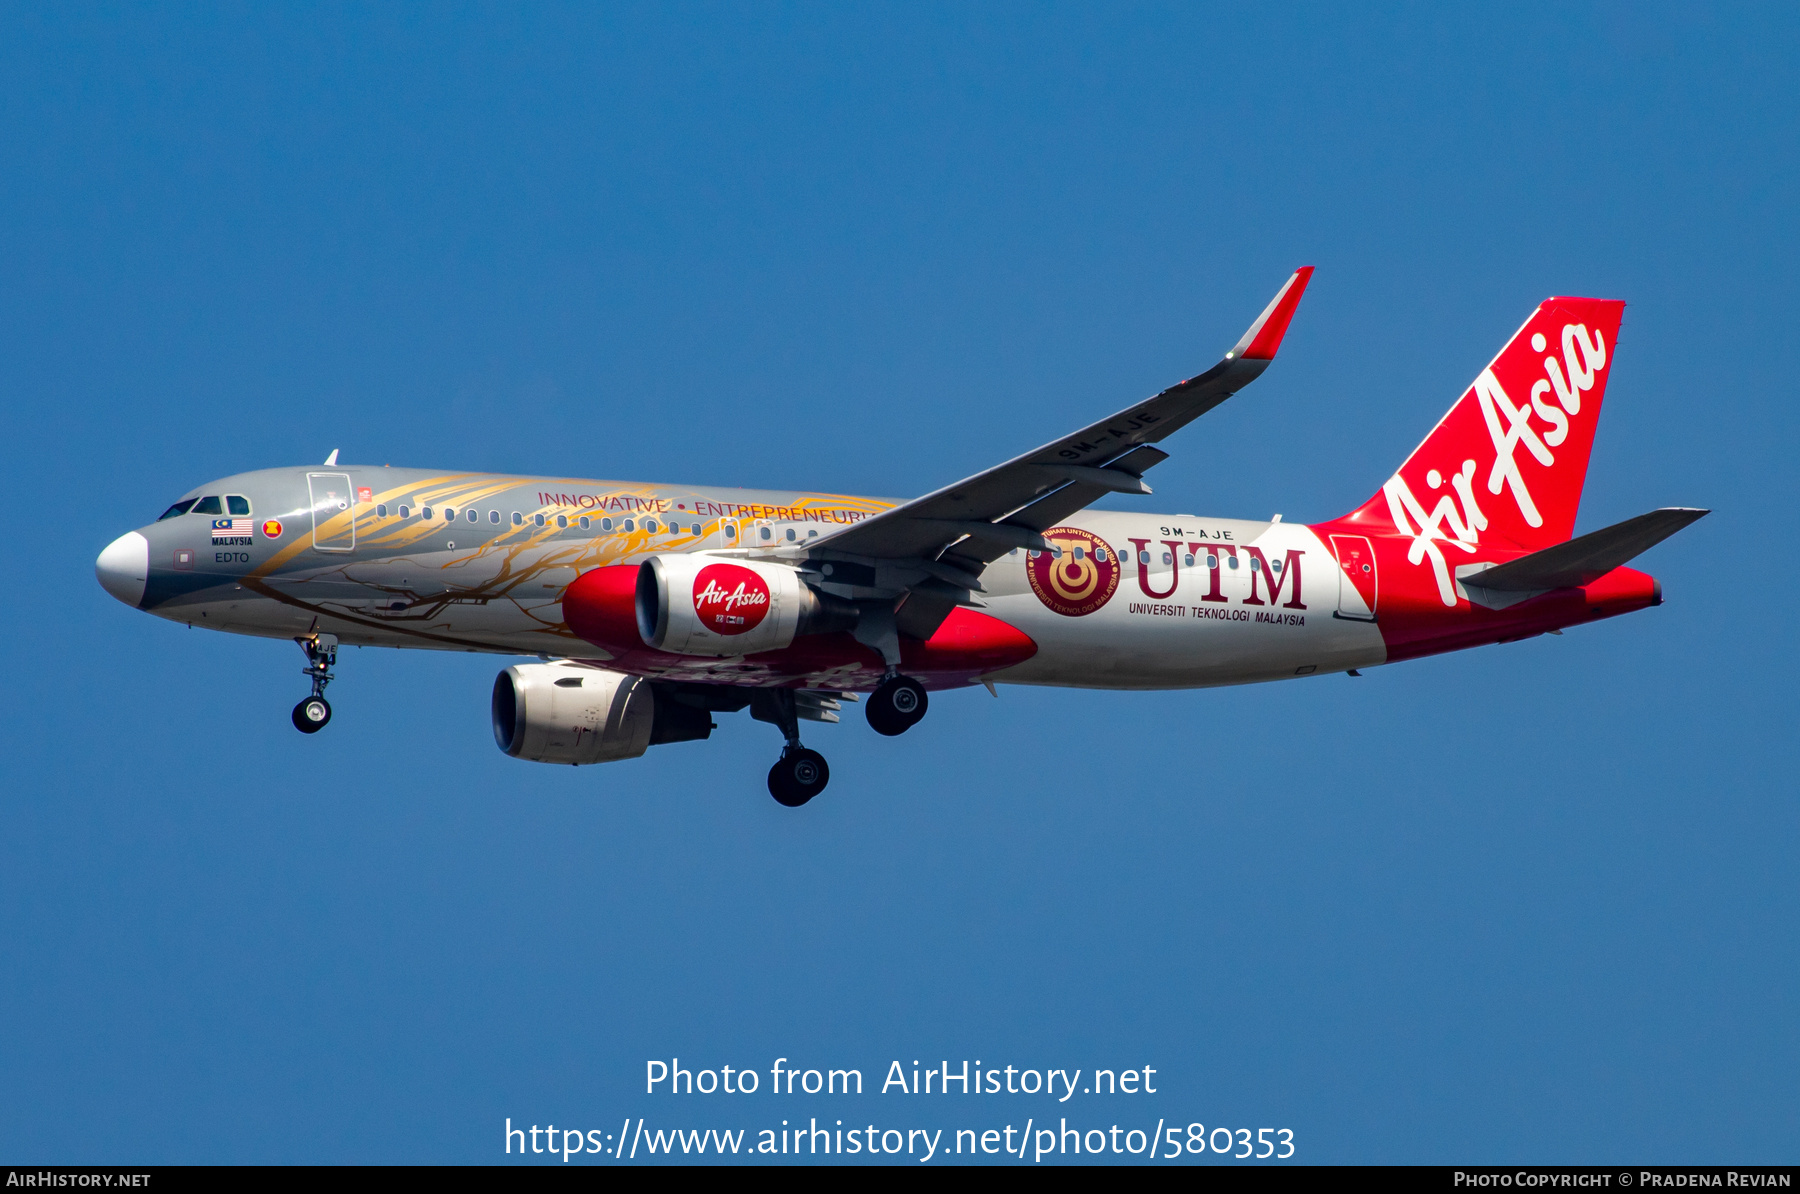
730 599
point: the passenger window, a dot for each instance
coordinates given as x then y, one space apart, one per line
731 532
237 505
695 529
1167 559
606 524
518 519
1079 552
208 505
630 524
650 525
494 517
449 513
538 519
584 522
790 534
425 513
406 512
178 509
474 514
767 533
562 522
381 510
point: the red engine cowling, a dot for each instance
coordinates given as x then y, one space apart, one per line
702 605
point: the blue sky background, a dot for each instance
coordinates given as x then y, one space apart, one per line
1525 903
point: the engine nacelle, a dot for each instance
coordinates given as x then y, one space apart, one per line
702 605
566 713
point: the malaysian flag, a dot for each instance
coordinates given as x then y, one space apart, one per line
230 528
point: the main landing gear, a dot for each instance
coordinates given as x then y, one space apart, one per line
898 702
314 713
897 705
799 774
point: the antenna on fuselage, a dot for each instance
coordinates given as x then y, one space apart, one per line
331 459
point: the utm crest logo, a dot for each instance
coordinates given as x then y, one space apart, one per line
1076 579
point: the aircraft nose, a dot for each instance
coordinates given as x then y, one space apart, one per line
124 567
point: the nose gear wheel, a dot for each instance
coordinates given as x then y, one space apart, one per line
314 713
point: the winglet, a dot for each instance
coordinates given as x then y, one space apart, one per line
331 460
1264 336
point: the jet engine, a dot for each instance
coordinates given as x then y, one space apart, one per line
569 713
701 605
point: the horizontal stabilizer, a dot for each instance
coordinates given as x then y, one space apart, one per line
1583 560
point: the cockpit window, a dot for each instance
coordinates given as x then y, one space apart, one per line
178 509
208 505
237 505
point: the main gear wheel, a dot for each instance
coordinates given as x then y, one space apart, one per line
797 776
897 705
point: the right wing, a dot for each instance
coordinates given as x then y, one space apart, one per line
944 540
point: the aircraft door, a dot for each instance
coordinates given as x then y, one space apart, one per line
333 511
1356 577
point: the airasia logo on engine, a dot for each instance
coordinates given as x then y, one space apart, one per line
730 599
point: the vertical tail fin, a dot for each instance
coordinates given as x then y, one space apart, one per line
1507 463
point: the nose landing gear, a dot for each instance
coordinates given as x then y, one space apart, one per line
897 705
314 713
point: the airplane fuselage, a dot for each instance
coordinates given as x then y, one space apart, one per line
397 557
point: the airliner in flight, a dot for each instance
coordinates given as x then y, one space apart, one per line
651 608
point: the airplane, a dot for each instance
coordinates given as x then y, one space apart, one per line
653 607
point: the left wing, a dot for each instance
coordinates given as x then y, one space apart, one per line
949 536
